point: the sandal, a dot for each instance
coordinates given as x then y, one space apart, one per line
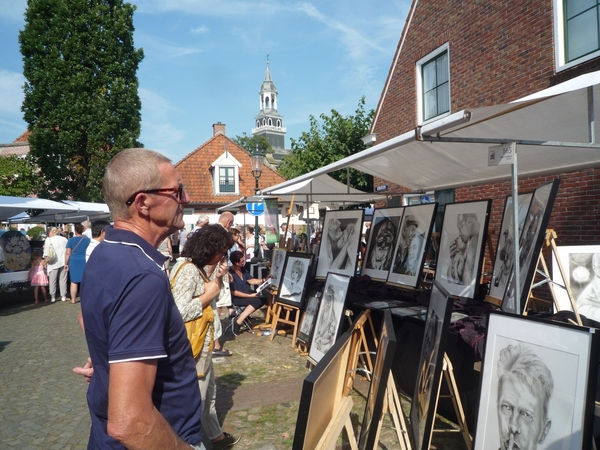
222 353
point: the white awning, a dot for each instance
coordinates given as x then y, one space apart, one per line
11 206
80 211
553 129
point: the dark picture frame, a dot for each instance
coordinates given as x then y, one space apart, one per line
561 362
379 381
338 252
462 242
429 374
581 264
505 253
330 315
309 317
381 244
294 280
530 244
277 265
412 243
322 392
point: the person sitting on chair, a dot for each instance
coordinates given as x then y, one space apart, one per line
241 295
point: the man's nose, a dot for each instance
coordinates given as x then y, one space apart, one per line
513 422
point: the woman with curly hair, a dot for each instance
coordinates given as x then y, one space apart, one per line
196 282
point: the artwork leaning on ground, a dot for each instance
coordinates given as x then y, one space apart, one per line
537 385
379 255
411 245
505 250
462 243
338 252
429 373
581 264
330 315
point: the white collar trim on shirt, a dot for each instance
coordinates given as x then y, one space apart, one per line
161 267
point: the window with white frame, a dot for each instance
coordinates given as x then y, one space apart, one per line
577 26
226 179
433 84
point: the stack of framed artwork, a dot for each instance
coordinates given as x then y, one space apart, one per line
555 407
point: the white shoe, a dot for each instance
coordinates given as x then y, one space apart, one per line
63 299
52 300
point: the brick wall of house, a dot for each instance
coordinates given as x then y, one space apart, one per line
499 51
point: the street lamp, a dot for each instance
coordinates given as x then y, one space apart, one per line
257 160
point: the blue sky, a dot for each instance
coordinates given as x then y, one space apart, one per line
205 61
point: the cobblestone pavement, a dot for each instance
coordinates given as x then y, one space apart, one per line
43 405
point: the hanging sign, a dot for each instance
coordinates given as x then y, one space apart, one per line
500 155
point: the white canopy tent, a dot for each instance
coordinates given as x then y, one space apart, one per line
76 212
553 131
12 206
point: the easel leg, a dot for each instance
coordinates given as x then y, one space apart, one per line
460 414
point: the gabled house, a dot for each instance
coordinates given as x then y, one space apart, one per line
219 172
19 147
453 55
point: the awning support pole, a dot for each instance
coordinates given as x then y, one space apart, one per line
515 201
591 118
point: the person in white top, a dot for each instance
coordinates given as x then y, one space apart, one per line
87 228
97 236
56 267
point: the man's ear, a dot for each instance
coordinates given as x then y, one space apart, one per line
142 204
545 431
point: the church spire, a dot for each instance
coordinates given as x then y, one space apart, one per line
269 123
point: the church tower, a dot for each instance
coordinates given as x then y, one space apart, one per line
269 123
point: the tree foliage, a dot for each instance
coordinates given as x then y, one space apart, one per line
249 143
330 139
81 95
19 177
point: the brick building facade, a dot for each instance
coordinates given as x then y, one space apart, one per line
497 51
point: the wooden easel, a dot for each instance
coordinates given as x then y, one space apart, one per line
549 242
286 315
359 350
393 407
338 423
270 312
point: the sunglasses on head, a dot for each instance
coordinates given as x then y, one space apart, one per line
177 190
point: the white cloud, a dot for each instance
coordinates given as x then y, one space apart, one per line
162 48
11 92
200 30
209 7
154 105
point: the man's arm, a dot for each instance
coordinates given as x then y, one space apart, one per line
132 418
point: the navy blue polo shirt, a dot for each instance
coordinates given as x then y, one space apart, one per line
130 315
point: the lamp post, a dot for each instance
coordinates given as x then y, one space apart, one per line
257 160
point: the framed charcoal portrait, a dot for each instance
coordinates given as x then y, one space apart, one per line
294 281
322 393
581 264
330 315
309 318
462 247
411 245
382 242
375 400
530 244
340 241
539 376
505 249
429 374
277 263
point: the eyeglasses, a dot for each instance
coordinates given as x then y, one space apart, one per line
177 190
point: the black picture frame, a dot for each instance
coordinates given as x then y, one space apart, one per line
329 318
560 361
505 253
462 243
309 317
277 265
294 280
379 382
379 255
339 248
530 244
427 387
414 237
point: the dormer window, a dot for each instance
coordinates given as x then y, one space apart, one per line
225 171
226 179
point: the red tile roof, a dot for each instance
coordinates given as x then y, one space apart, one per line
195 169
24 137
